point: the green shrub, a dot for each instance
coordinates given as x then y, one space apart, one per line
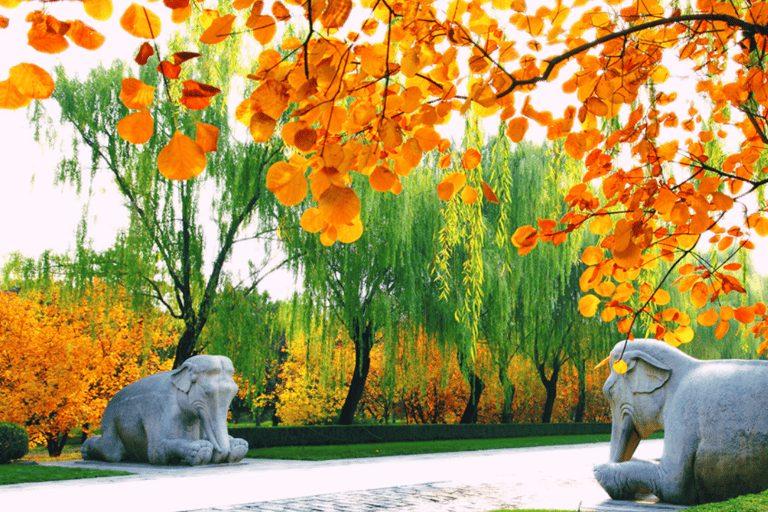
14 442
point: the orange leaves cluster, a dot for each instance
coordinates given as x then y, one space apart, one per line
63 362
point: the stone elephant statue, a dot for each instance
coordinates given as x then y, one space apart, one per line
715 420
175 417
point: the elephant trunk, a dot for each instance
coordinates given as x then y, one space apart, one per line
624 438
215 430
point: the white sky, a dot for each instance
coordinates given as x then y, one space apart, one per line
37 216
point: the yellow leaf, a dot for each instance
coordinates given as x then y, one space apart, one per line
601 224
207 136
219 30
592 255
181 159
136 128
588 305
620 366
288 183
98 9
32 81
328 235
11 98
135 94
140 22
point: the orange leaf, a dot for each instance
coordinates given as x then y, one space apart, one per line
280 12
348 233
469 195
84 36
136 128
471 159
196 95
181 159
289 185
169 69
721 329
135 94
140 22
525 239
11 98
592 255
145 52
745 315
382 179
490 196
336 13
450 185
181 57
576 145
328 235
588 305
3 22
339 205
708 318
32 81
219 30
427 138
44 40
699 295
389 133
262 127
517 128
312 221
445 161
264 28
601 224
181 14
207 136
98 9
620 366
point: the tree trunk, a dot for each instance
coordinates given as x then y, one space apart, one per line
550 384
509 396
363 343
186 347
582 403
476 387
55 443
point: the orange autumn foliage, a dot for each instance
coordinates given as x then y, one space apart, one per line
370 82
62 362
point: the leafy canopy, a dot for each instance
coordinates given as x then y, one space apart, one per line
371 100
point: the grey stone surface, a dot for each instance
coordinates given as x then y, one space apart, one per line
545 477
715 420
176 417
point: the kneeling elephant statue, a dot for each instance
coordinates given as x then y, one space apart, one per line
715 420
172 417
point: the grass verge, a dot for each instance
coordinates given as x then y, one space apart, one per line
355 451
24 474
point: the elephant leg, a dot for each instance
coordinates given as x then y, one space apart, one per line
183 451
106 448
237 449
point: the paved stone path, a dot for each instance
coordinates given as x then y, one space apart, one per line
545 477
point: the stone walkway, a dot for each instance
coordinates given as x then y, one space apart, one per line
545 477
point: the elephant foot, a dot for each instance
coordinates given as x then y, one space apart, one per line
237 449
609 478
101 448
198 453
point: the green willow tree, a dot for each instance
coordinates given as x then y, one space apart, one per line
378 289
163 254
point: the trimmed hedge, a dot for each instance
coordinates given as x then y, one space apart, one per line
14 442
265 437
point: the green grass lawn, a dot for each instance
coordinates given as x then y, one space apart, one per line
354 451
24 474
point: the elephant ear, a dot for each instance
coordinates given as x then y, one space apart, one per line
645 373
184 377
